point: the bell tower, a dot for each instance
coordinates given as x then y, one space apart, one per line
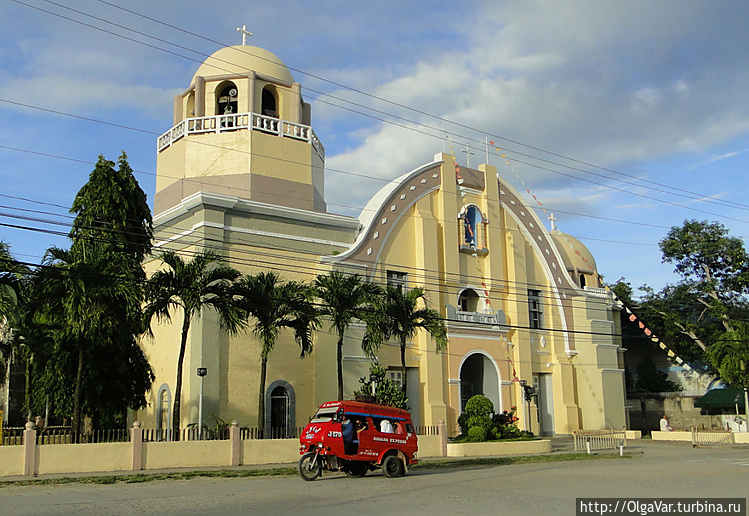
242 129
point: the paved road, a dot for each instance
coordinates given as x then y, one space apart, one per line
658 470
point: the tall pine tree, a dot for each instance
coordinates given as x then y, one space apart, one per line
96 362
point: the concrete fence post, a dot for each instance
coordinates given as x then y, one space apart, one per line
29 445
136 440
236 442
442 431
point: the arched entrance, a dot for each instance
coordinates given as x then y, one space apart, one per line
280 410
479 375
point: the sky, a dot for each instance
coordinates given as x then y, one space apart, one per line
623 119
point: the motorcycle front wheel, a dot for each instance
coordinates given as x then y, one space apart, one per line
309 468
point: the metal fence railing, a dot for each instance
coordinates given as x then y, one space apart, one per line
592 440
427 430
63 435
13 436
711 437
272 433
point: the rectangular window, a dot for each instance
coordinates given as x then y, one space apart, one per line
397 279
535 310
396 377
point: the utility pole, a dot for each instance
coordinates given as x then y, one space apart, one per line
202 371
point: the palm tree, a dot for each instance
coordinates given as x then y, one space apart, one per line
11 274
13 277
89 294
398 315
276 305
191 286
344 297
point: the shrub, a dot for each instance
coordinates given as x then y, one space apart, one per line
388 392
476 434
479 406
484 422
479 422
505 417
463 423
508 432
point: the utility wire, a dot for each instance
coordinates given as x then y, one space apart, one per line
417 111
691 196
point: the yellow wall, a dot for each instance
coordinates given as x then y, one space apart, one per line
83 458
11 460
186 454
500 448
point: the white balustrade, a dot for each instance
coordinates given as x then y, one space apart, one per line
234 122
317 144
597 292
266 124
298 131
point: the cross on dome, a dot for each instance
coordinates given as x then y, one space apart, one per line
245 33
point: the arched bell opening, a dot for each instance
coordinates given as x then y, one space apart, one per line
227 98
269 102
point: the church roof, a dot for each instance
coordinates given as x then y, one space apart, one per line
574 253
239 59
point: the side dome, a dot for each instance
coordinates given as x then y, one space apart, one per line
567 245
238 60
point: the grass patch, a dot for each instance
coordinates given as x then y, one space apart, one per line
456 463
465 439
137 478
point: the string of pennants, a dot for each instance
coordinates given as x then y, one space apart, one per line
462 191
632 317
649 333
564 237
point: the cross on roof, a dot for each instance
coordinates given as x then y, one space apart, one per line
245 33
553 219
468 152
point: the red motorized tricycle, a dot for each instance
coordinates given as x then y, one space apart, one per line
378 436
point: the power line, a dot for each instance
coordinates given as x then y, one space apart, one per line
435 281
691 195
421 112
246 190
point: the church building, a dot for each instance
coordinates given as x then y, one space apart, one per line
241 171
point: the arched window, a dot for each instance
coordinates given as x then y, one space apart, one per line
468 301
190 105
163 412
227 99
269 104
472 229
582 280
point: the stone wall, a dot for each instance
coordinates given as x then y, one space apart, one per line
644 413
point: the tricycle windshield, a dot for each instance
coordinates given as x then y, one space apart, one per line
324 415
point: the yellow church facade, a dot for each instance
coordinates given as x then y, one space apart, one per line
242 171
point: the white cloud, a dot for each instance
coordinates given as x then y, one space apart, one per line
64 93
606 85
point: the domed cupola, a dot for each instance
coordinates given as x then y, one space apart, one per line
242 129
577 259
